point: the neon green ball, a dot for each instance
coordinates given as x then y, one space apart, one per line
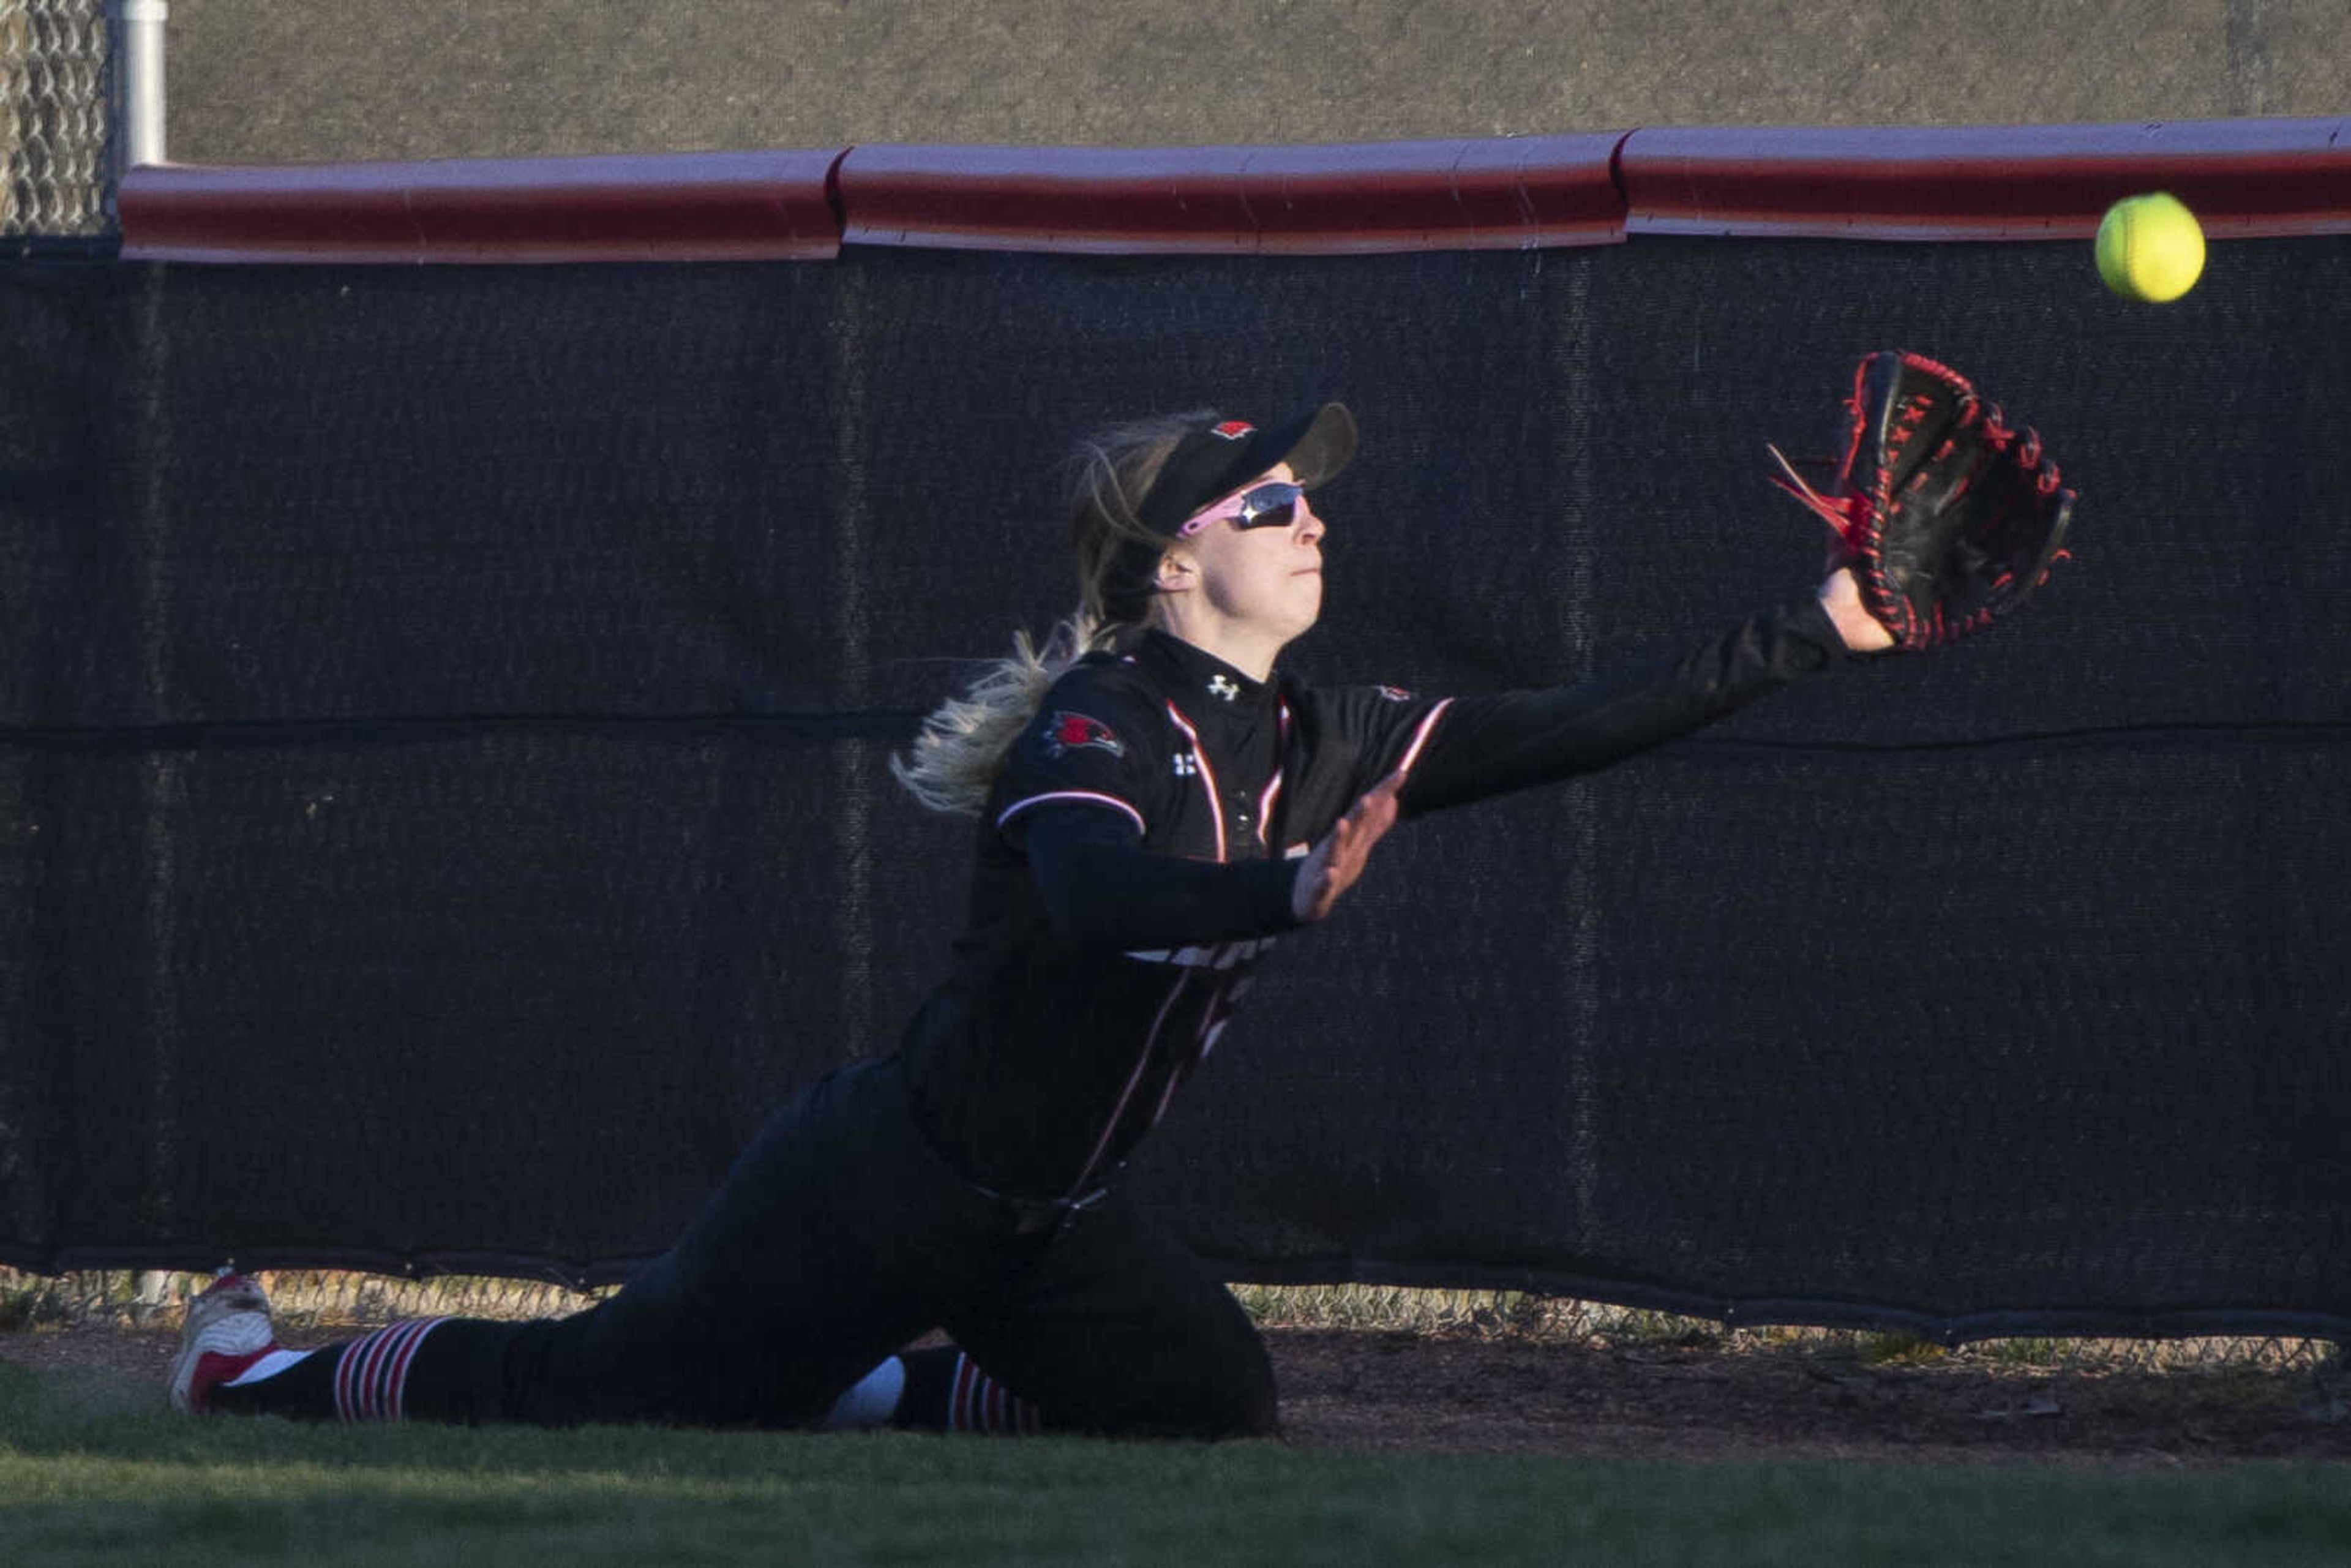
2150 247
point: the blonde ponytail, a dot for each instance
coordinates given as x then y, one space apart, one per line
961 746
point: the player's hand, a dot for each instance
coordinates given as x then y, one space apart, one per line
1338 860
1841 597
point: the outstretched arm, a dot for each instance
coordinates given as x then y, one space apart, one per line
1102 887
1489 746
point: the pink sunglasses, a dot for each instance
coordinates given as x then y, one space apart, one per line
1273 505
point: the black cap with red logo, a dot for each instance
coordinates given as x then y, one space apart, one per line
1225 453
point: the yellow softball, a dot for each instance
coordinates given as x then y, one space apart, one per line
2150 247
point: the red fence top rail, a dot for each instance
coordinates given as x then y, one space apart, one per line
1487 195
2243 178
683 206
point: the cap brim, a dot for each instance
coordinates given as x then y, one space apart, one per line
1317 445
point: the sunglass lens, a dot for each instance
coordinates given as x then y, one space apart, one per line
1269 507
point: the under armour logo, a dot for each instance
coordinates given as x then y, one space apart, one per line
1186 765
1219 686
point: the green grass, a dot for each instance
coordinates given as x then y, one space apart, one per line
89 1473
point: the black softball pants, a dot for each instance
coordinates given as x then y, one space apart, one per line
838 1236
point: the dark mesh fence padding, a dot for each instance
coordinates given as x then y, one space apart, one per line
444 717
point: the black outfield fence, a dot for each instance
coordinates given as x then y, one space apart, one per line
443 801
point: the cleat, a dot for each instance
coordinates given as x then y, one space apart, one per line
227 1331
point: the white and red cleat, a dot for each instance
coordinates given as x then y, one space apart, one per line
227 1331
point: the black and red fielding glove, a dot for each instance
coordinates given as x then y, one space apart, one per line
1948 516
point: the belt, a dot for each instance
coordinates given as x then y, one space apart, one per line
1045 1217
1025 1216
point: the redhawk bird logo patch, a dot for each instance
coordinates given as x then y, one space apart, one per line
1232 429
1068 732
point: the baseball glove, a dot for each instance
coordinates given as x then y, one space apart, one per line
1948 516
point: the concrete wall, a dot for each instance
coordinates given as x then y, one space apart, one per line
267 81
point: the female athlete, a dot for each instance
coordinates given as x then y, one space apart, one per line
1155 804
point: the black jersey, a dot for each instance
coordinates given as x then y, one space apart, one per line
1136 860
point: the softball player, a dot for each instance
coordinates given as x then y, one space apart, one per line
1155 807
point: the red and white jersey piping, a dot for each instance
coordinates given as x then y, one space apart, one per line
1081 797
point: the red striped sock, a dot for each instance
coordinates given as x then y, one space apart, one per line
372 1374
946 1391
978 1403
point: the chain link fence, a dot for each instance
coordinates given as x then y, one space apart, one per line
54 124
325 1300
298 1298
